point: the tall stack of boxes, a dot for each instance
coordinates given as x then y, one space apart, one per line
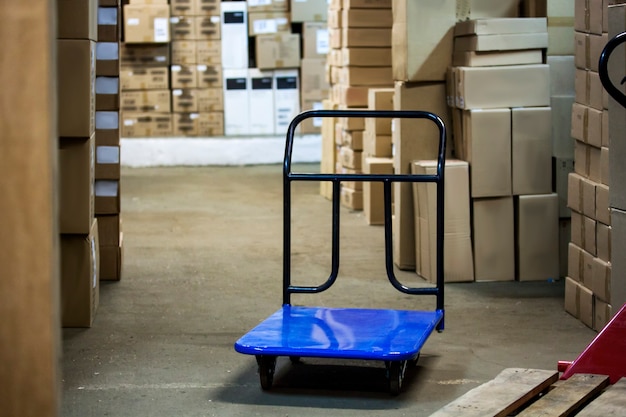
314 85
79 250
107 146
504 129
597 122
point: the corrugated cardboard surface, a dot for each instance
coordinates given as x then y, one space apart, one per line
76 179
537 237
531 150
77 19
373 206
146 23
494 239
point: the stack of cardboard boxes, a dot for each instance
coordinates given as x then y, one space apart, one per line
79 250
107 158
590 290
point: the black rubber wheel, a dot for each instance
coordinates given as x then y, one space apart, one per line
396 375
267 367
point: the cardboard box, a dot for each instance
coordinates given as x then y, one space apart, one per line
601 283
531 150
107 126
80 289
587 161
353 140
586 306
109 230
603 242
314 85
183 7
487 147
184 101
211 124
501 87
603 312
501 26
351 199
365 37
370 76
602 213
185 52
144 78
264 23
366 18
184 76
366 57
504 42
572 297
576 262
309 10
210 100
588 88
494 239
286 99
562 75
208 52
144 56
208 27
311 125
458 259
584 232
209 7
209 76
107 93
267 5
496 58
107 196
562 143
146 23
146 101
561 169
409 147
604 166
109 24
315 41
278 51
350 158
565 237
234 35
107 163
261 102
236 102
366 4
141 125
560 27
76 177
182 28
77 19
581 194
349 96
185 124
108 59
377 145
588 48
588 16
76 82
373 204
111 260
537 237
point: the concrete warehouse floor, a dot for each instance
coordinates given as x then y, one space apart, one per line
203 265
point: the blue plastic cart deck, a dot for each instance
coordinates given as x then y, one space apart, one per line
346 333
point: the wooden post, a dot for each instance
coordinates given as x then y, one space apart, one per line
29 278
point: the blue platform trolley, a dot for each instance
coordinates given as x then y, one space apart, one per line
394 337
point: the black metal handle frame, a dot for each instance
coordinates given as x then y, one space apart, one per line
387 180
603 69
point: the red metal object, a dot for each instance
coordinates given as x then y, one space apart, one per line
605 355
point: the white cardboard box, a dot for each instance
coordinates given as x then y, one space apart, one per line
261 102
236 102
286 98
234 34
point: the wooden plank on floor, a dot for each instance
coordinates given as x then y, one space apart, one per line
611 402
568 397
502 395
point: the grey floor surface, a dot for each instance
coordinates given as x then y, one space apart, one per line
203 262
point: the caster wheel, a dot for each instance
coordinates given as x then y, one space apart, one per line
267 367
395 373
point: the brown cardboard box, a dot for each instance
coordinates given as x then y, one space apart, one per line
603 312
494 239
264 23
458 259
77 19
571 297
140 125
76 177
537 237
144 78
266 5
580 120
185 124
377 145
278 51
107 93
183 28
366 18
365 76
109 24
353 140
210 76
351 199
604 166
496 58
366 57
560 27
111 260
108 59
602 213
109 229
142 56
311 125
588 161
561 168
313 83
588 88
576 262
601 282
107 162
366 4
577 189
184 52
487 147
184 76
365 37
208 52
373 206
350 158
565 237
208 27
108 126
76 83
309 10
315 42
584 232
409 145
107 196
501 87
211 124
80 289
352 185
350 96
531 150
146 100
504 42
210 100
183 7
588 48
184 101
210 7
146 23
586 306
603 241
501 26
588 16
379 99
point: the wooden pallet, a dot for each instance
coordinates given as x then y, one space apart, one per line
534 393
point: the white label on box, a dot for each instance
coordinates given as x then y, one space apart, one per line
176 68
132 21
107 51
177 92
107 15
265 26
281 21
106 188
107 85
322 43
175 20
107 119
254 3
160 59
194 116
129 122
202 68
108 154
161 29
215 19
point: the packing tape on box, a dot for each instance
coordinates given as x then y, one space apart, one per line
560 21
